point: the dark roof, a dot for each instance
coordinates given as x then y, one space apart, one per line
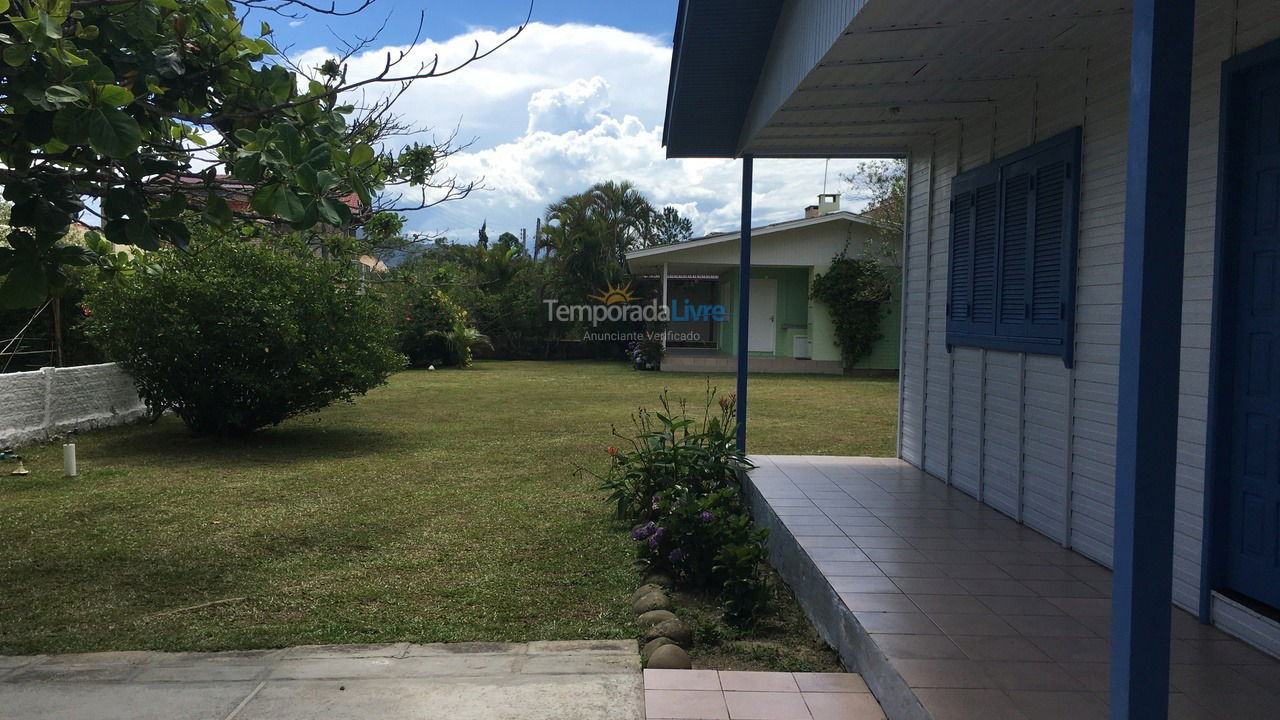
719 49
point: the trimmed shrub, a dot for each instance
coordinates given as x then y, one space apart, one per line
237 337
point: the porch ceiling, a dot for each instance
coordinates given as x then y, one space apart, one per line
905 70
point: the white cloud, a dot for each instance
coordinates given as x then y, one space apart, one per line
564 109
565 106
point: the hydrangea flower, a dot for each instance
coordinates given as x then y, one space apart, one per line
656 537
706 516
641 533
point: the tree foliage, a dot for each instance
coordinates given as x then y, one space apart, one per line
116 99
669 227
587 236
884 185
236 337
855 291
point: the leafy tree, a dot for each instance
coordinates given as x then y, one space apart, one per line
241 336
587 236
668 228
884 184
161 107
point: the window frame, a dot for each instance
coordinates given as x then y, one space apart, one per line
965 332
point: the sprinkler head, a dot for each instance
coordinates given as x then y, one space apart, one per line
21 469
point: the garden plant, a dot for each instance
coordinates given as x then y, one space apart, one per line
678 480
234 337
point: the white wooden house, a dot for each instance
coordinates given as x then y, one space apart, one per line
1089 330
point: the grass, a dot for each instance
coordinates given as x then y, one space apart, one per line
442 507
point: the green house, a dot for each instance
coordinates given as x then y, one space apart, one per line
789 331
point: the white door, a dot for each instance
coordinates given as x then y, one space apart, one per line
762 325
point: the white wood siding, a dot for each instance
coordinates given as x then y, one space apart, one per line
1026 435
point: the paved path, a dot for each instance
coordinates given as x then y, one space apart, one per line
576 680
733 695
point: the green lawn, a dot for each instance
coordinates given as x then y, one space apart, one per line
442 507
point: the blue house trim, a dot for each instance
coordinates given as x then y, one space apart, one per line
744 300
1150 348
719 49
1222 357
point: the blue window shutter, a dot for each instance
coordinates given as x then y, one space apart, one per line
1051 246
986 225
972 271
1016 192
1013 228
960 273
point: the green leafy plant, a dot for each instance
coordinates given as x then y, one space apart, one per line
159 107
432 329
680 482
238 337
856 292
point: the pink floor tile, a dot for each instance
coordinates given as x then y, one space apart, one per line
767 706
685 705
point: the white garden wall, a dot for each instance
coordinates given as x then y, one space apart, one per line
36 405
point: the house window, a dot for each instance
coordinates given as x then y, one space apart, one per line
1013 246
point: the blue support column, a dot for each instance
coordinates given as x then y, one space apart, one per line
744 300
1150 343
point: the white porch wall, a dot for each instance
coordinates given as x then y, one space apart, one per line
1021 432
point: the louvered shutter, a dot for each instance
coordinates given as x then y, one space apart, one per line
1052 258
972 274
1012 274
986 224
960 274
1014 307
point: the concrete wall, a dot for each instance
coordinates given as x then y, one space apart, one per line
35 405
1020 432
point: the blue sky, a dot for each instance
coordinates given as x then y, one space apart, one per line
578 98
652 17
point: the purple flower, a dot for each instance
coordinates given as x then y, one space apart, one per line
676 556
706 516
642 532
656 537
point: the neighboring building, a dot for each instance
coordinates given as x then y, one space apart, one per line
1051 285
790 331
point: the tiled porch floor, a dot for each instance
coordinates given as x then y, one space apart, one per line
712 695
980 617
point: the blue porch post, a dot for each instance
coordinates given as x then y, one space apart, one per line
1150 343
744 299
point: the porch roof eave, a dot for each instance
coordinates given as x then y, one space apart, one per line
851 88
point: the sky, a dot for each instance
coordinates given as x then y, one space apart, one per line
577 98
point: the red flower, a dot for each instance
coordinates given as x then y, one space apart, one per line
611 450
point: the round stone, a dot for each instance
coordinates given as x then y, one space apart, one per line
656 600
658 577
653 617
680 633
645 590
654 644
669 657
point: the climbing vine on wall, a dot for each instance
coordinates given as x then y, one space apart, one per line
857 292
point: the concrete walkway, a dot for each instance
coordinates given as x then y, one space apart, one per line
576 680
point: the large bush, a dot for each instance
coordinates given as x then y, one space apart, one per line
431 329
237 337
679 481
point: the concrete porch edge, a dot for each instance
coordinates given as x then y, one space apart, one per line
830 616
